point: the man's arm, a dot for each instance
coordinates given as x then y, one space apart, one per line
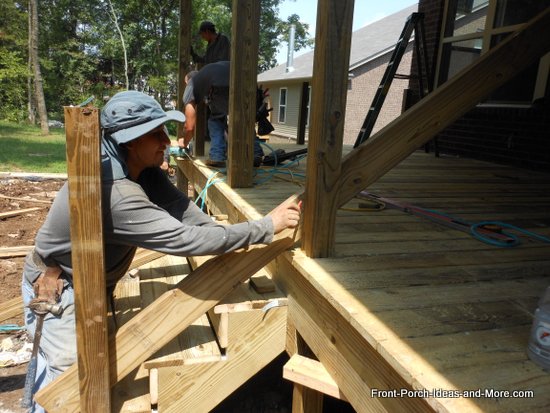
190 121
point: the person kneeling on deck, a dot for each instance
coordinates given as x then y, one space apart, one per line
211 84
141 208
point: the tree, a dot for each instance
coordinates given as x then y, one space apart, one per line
13 69
38 87
114 19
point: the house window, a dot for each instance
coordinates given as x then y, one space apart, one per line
282 104
473 27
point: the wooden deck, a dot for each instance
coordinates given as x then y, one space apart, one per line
408 303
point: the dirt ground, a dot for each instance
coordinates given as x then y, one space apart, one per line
18 231
267 392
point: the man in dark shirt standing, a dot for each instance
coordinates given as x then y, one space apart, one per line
218 48
211 84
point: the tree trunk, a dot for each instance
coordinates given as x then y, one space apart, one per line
38 88
114 18
30 94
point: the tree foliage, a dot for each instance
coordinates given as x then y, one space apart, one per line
81 53
13 61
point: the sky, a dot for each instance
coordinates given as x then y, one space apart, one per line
364 12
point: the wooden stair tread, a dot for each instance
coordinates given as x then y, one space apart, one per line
195 344
311 374
246 298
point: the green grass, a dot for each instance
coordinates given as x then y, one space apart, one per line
24 149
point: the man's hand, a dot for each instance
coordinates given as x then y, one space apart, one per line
286 215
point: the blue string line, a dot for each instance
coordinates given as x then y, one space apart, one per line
474 230
209 183
515 239
282 169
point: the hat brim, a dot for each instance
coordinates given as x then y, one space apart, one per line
129 134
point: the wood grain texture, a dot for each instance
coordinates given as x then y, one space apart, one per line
242 92
312 374
184 57
10 252
9 214
148 331
328 107
84 178
11 308
200 387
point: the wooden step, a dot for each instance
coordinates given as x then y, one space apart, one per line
197 343
311 374
177 376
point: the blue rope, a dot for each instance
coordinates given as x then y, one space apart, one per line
515 239
209 182
474 230
10 327
279 169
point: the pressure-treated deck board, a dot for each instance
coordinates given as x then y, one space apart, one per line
427 297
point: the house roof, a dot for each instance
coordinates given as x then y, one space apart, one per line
367 43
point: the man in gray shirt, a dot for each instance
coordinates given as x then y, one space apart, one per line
141 208
211 84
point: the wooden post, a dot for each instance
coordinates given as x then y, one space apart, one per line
242 92
304 399
183 54
328 105
200 130
84 177
302 116
389 146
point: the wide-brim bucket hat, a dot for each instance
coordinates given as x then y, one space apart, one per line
131 114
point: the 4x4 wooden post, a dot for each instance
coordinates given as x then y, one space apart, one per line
84 176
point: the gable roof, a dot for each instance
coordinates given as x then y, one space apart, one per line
367 43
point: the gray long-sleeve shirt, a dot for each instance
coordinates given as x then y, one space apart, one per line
150 213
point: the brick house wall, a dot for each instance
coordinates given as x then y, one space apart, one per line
518 136
361 90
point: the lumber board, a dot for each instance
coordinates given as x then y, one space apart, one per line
312 374
220 198
353 345
200 387
11 308
31 200
330 343
9 214
428 260
383 151
196 343
86 227
449 275
184 59
156 278
305 400
12 252
146 333
328 111
144 256
242 92
262 283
